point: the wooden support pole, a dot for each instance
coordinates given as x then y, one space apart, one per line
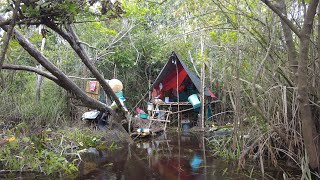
202 83
149 82
202 95
178 98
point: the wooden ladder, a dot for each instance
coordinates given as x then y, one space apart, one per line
158 119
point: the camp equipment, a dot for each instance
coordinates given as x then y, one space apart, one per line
116 85
194 100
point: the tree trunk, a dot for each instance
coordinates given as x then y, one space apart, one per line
64 81
77 46
309 133
39 77
292 53
308 127
6 39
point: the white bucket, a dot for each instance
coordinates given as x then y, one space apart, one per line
150 107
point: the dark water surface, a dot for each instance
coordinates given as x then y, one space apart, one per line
171 155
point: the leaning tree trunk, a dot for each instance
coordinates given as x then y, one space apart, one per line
63 80
77 46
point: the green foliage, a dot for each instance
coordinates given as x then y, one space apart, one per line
52 163
50 110
56 10
224 37
136 9
84 137
33 153
113 146
221 146
45 150
103 30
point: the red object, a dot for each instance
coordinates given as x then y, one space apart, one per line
92 85
140 111
171 80
211 94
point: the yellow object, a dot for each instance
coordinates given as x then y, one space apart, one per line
116 85
11 139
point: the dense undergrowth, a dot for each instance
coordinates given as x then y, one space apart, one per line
45 150
39 137
257 149
18 103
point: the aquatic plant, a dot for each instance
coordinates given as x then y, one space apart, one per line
221 147
113 146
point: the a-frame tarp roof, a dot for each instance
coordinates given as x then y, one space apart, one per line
171 66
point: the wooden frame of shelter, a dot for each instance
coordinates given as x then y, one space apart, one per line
172 87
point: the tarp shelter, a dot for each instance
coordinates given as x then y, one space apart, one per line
175 74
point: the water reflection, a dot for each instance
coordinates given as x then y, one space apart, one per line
172 155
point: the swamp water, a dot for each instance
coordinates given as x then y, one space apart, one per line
171 155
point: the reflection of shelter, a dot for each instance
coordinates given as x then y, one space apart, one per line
172 89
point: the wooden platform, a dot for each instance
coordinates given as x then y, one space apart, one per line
169 109
174 103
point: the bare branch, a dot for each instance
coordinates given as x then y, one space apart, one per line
31 69
64 81
253 86
74 42
75 77
9 33
87 45
283 17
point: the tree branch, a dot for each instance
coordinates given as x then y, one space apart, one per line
74 42
77 46
64 81
283 17
84 43
31 69
9 33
